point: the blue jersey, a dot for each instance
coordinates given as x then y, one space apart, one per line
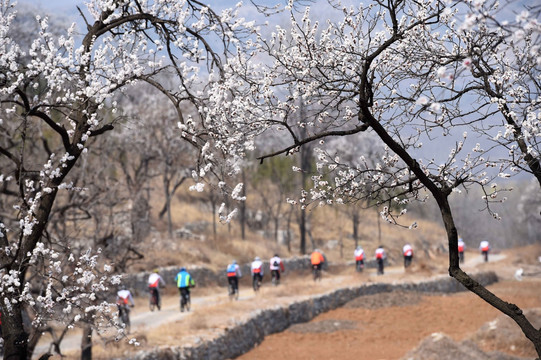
183 279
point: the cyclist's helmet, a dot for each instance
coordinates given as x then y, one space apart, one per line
257 258
183 269
234 262
275 255
156 270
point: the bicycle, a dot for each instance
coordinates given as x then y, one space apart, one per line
233 292
153 300
185 301
317 272
256 283
124 317
359 266
380 266
275 277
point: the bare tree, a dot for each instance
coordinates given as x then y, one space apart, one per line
273 183
348 150
153 121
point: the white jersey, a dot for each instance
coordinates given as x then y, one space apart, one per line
257 267
380 253
484 246
275 260
124 296
155 280
407 250
359 254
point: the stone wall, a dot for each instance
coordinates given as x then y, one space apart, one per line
246 335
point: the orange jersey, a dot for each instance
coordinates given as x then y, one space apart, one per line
316 258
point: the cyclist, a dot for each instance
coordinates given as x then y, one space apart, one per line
184 282
233 276
380 258
154 283
276 265
461 248
257 272
407 250
485 248
359 258
124 300
317 260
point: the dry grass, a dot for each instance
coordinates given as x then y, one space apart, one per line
331 229
203 322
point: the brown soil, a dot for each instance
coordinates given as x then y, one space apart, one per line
388 326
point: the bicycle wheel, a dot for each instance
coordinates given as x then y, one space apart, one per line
256 284
275 280
188 302
125 319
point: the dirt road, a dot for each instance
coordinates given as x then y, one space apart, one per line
385 330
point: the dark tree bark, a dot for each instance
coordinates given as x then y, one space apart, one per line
355 219
243 208
86 343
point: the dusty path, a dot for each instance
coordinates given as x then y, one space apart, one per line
214 311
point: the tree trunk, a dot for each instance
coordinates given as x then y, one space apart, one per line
288 229
13 333
356 221
167 194
302 230
86 343
276 227
243 208
311 239
214 229
379 227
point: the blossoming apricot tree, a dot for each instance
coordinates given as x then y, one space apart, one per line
450 75
57 96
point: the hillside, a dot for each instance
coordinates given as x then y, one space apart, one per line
331 230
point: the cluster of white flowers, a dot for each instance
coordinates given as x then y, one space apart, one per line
71 82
